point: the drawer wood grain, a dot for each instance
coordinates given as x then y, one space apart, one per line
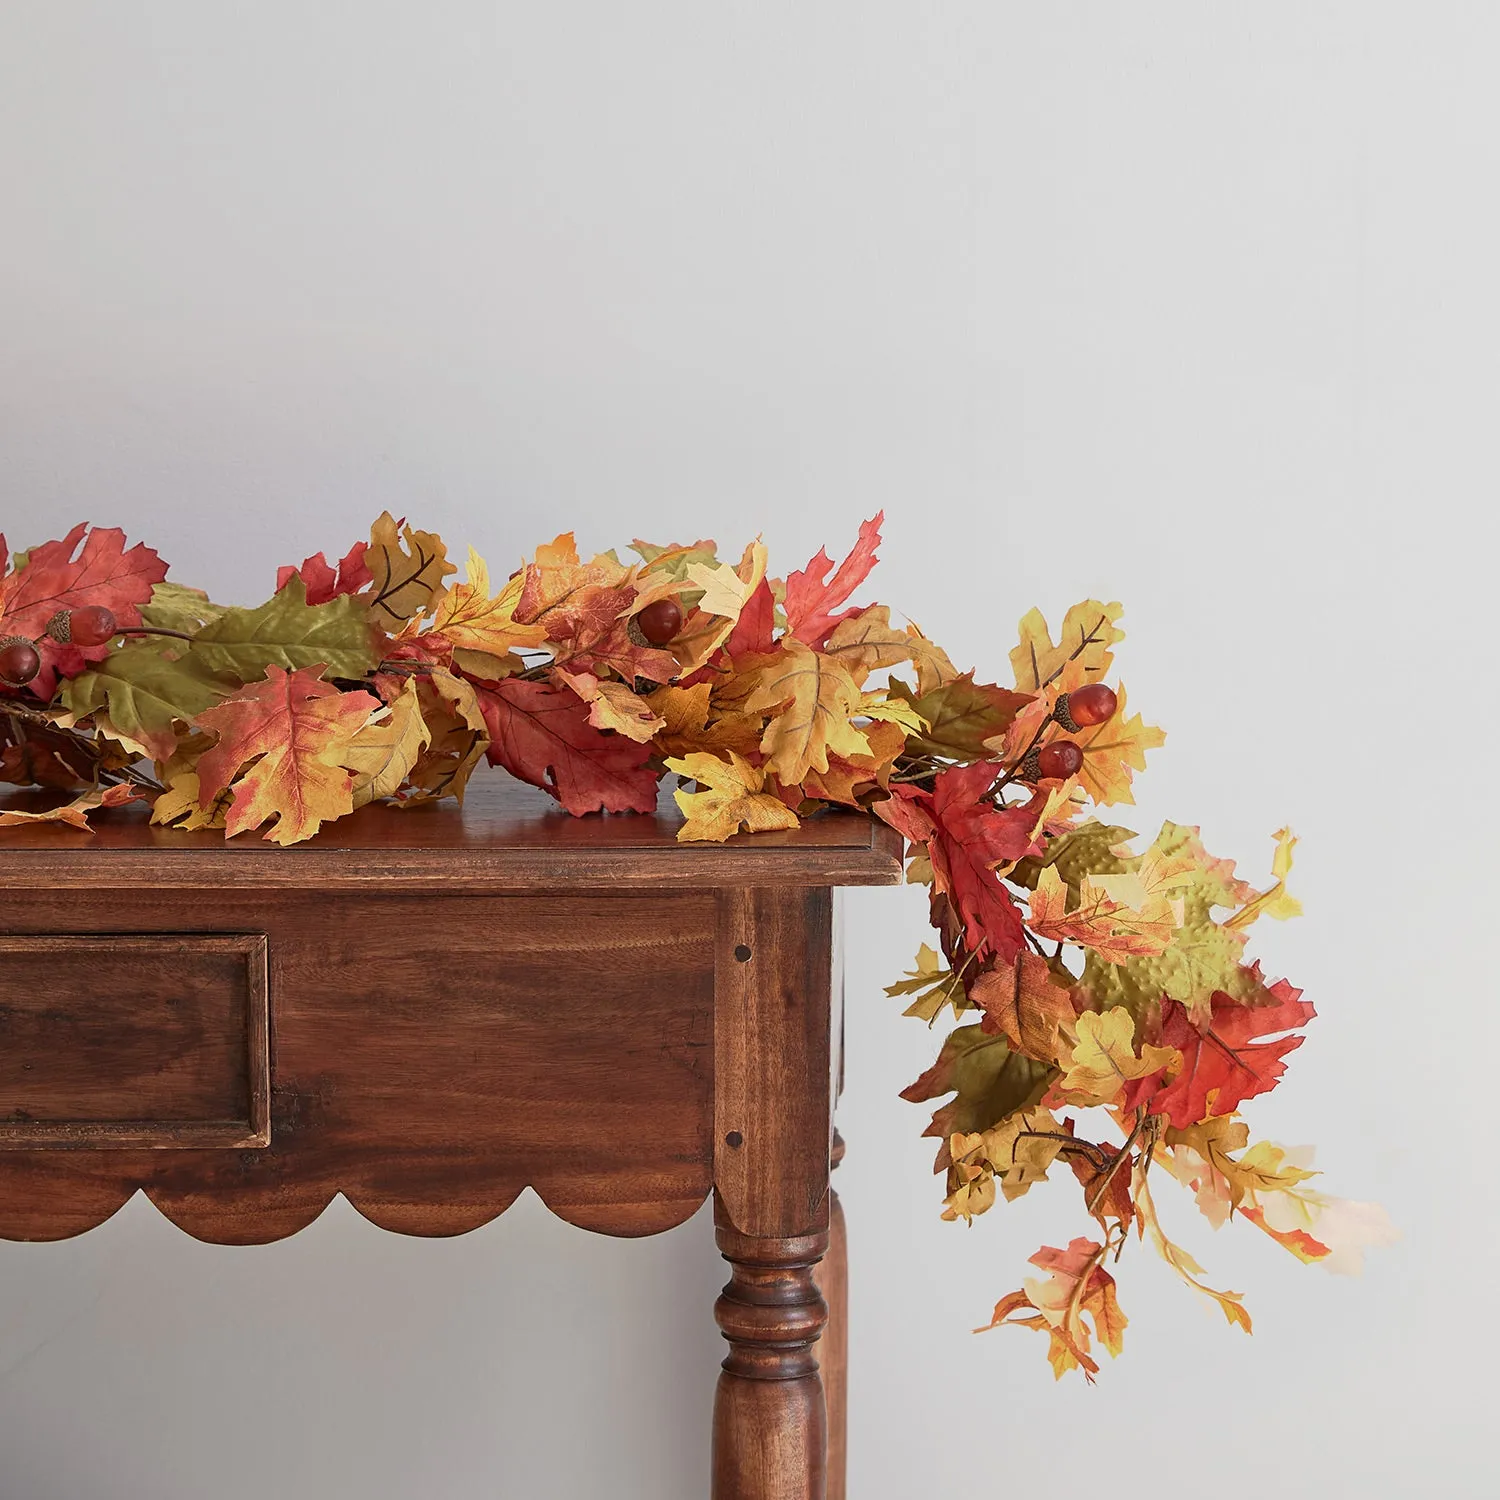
156 1040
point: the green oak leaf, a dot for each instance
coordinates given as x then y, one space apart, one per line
988 1080
288 632
141 694
174 606
961 715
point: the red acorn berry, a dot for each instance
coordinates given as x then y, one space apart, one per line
20 661
93 625
1059 760
660 621
1090 704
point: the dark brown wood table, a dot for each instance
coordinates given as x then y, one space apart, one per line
428 1010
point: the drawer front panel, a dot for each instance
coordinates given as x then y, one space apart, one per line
115 1041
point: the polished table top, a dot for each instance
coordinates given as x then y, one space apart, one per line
507 835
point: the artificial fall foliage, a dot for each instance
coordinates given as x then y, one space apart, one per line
1109 1023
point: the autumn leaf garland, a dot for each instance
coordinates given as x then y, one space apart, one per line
1108 1019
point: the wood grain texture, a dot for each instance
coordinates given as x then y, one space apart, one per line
770 1420
773 1059
506 837
832 1276
133 1041
431 1057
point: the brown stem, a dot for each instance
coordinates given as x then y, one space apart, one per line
1113 1169
177 635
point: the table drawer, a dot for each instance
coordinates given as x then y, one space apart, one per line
116 1041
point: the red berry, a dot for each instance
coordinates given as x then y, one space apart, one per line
20 661
92 626
660 621
1059 760
1092 704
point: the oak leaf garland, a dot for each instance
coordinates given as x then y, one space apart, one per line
1108 1024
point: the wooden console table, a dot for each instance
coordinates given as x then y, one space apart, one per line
427 1011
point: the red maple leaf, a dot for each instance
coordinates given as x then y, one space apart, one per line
812 596
52 578
1225 1064
966 838
541 734
753 631
323 582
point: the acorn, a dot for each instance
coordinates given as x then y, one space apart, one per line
20 661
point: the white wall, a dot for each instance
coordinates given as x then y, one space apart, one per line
1194 306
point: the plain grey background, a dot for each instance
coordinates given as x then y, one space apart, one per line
1194 306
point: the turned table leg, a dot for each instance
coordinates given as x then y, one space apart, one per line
773 1108
832 1276
770 1424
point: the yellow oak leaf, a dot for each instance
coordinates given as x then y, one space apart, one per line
1082 653
692 720
470 620
383 752
180 806
934 984
811 699
733 798
282 746
1103 1058
1015 1154
407 568
451 711
612 705
724 591
892 711
935 668
711 624
1112 751
867 641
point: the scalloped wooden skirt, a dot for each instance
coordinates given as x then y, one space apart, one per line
243 1058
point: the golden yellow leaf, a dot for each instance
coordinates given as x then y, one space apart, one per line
934 984
692 720
407 568
934 667
733 798
383 752
450 708
707 628
1112 750
891 711
1082 653
867 641
1103 1058
612 705
812 700
470 620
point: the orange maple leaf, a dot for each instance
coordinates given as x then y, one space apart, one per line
280 747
